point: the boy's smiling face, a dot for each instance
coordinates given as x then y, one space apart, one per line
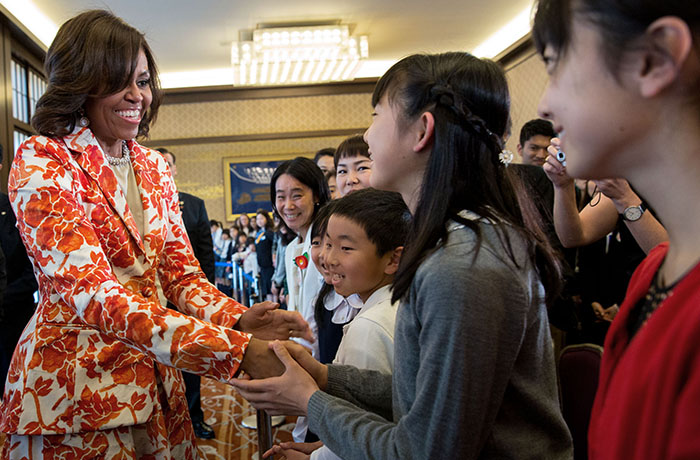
352 259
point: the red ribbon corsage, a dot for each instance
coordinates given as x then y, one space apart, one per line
302 261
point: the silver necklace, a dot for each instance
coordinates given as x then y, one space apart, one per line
125 159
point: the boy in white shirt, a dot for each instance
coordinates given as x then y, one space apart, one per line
361 250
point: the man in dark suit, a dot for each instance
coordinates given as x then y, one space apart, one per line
194 216
18 304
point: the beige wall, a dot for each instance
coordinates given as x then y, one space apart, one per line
527 80
290 119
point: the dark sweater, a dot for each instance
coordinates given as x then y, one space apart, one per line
474 367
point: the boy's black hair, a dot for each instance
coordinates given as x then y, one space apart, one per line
353 146
383 215
536 127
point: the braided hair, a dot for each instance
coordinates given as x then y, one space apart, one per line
469 100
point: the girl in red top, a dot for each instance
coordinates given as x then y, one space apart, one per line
623 94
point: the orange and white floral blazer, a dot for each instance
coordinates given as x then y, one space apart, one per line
100 342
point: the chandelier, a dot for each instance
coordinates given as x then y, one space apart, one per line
297 55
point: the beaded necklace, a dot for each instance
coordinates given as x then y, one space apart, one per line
125 159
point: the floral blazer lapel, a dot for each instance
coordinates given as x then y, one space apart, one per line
152 182
90 157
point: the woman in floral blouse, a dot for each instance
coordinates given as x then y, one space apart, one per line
96 371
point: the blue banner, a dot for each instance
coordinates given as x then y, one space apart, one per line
249 186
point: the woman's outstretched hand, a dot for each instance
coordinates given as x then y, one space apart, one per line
287 394
266 322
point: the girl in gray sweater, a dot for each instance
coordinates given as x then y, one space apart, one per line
474 367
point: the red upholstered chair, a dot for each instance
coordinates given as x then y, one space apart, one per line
579 367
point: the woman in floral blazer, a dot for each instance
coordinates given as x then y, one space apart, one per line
96 371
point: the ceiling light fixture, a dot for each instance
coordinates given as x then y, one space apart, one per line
298 55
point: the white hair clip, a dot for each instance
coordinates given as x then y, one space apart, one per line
506 157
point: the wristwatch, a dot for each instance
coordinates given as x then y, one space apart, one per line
633 213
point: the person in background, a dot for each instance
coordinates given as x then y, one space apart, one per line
216 231
222 272
264 240
196 221
298 191
353 165
624 79
96 372
324 159
332 184
18 306
535 136
283 237
243 224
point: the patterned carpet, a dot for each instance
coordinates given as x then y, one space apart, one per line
224 410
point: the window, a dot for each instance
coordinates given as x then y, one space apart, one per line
19 137
27 87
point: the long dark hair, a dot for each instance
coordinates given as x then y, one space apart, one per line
93 54
468 98
305 171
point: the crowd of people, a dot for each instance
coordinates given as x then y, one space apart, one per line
420 269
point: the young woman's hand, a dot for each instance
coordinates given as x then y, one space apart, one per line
294 450
554 169
265 322
287 394
619 191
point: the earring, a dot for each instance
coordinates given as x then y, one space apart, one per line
83 120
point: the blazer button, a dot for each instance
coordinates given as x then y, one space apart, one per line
147 292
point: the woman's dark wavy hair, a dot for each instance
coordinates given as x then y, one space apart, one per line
620 23
94 54
305 171
468 98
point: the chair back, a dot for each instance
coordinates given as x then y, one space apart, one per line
579 367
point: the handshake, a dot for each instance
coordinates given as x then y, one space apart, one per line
286 374
280 377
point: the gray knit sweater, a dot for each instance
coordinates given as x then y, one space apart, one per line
474 367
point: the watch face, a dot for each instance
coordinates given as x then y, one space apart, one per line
633 213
